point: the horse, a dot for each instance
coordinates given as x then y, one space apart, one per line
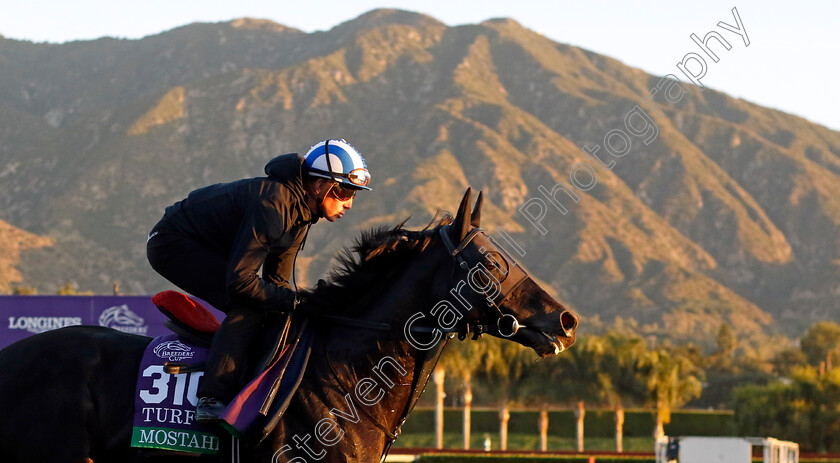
380 324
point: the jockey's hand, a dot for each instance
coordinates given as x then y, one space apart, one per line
312 296
299 300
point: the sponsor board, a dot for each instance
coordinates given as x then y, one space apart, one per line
24 316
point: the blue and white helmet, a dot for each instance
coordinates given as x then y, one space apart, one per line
345 165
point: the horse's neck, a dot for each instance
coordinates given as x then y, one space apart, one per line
378 375
359 382
364 386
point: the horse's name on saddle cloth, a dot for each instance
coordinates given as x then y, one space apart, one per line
164 408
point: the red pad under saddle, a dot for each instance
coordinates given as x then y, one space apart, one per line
186 310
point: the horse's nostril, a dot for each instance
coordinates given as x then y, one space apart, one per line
569 321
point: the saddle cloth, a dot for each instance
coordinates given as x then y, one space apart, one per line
164 404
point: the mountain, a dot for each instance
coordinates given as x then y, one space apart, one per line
700 209
13 241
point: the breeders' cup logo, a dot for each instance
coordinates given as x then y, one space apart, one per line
123 319
174 351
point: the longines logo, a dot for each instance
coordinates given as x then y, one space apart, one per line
41 324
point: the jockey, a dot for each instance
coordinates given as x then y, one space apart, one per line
213 243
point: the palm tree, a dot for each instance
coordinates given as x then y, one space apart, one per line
621 364
506 367
538 387
820 342
619 427
543 427
463 360
672 380
603 369
438 377
580 377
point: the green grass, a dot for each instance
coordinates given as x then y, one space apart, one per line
443 458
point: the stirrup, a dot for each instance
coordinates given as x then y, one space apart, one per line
209 410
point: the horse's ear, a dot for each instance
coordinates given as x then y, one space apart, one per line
475 221
461 225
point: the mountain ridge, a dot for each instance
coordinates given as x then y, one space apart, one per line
729 214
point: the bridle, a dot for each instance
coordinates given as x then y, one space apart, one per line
497 288
503 283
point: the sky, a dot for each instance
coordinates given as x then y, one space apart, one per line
789 64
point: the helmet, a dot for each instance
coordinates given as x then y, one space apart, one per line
345 165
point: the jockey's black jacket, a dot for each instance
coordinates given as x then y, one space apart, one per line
256 222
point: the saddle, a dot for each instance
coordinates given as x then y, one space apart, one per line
187 317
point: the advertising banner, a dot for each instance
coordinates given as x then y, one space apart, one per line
23 316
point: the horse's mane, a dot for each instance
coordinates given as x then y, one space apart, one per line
367 266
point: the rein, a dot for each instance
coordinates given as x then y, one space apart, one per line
346 321
455 251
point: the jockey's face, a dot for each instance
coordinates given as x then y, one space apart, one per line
335 202
333 207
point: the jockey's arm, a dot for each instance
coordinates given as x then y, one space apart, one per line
251 251
279 268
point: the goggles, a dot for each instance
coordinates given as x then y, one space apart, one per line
360 177
343 193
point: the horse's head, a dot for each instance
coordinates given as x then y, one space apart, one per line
396 297
487 291
449 278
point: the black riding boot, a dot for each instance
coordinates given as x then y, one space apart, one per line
224 376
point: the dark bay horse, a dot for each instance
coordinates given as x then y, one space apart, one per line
67 396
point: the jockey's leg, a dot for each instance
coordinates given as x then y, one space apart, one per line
238 333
